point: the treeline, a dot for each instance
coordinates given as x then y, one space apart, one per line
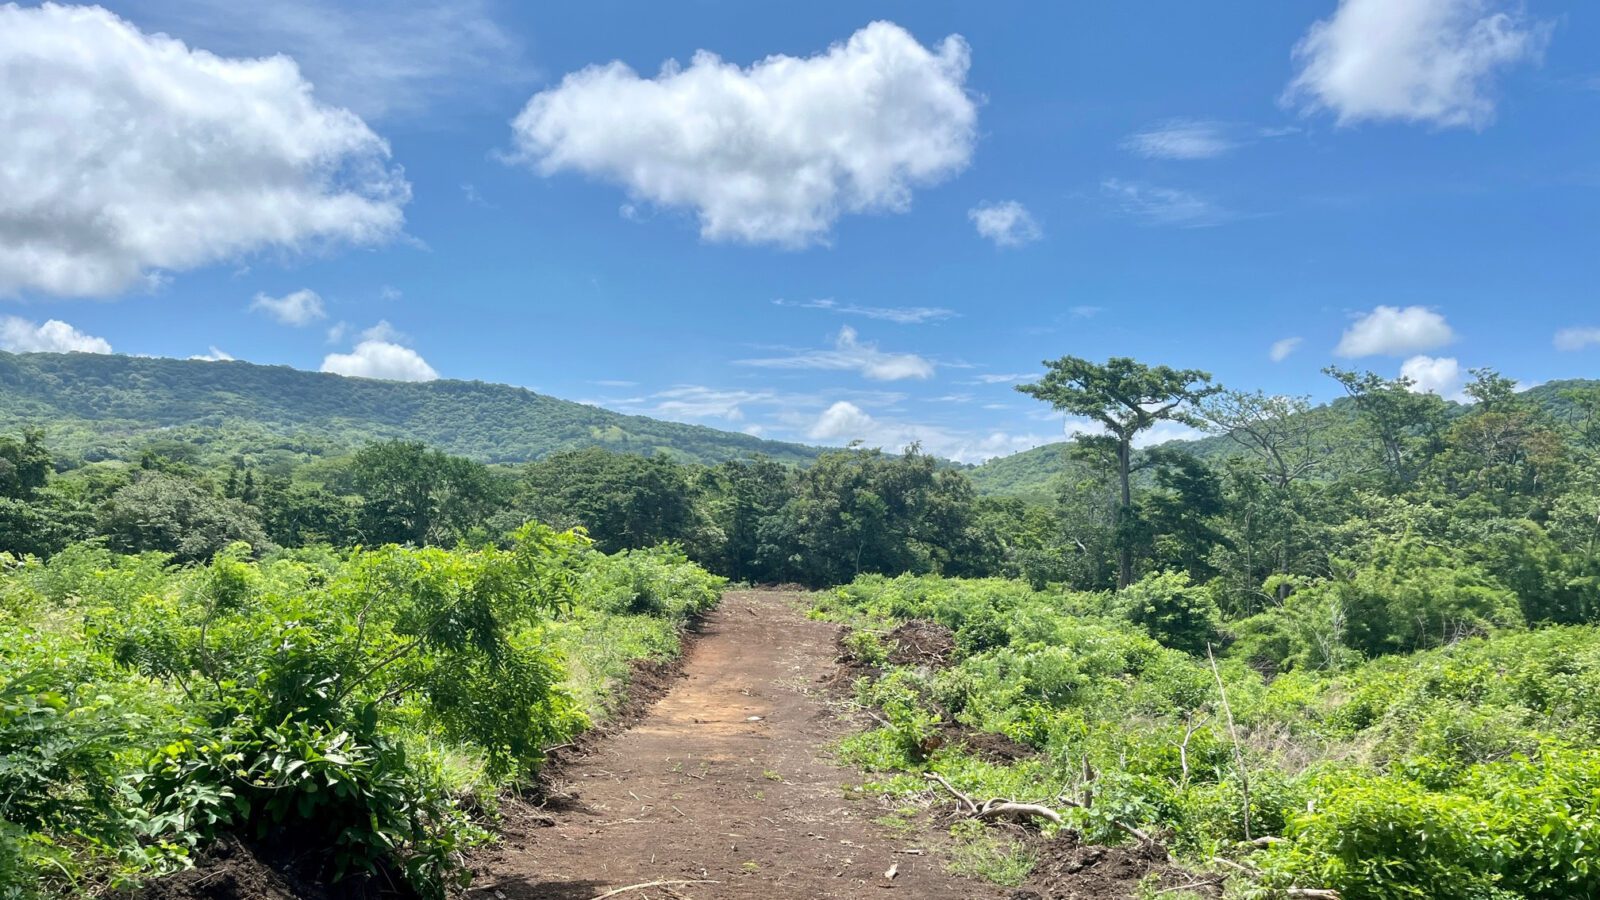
1499 506
755 520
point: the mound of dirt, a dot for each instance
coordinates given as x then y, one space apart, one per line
232 870
1070 870
985 745
921 643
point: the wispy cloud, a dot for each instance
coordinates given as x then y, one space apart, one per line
1156 205
1183 139
850 353
1281 349
1006 378
383 60
901 315
1577 338
843 422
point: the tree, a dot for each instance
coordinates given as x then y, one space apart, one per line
741 498
1278 432
1126 397
24 465
172 514
410 494
1405 425
625 501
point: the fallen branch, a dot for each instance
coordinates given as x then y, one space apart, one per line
1005 809
1238 867
651 884
1190 886
966 802
1313 893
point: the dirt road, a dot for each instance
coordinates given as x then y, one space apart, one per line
725 788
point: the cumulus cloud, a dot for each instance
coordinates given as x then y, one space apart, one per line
1392 331
1008 224
1283 348
1156 205
901 315
1430 61
772 153
850 353
128 155
213 355
20 335
299 308
1577 338
1434 375
1182 139
842 421
377 355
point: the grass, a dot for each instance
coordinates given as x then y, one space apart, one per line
979 852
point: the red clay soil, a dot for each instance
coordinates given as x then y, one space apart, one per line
723 789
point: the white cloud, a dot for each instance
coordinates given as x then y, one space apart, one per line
1430 375
1004 378
383 331
1157 205
849 353
1428 61
1008 224
127 155
381 59
19 335
214 355
773 153
1182 139
1577 338
1167 430
380 359
299 308
1391 331
1281 349
844 422
1086 312
699 402
901 315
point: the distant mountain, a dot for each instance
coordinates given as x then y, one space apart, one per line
1033 473
96 406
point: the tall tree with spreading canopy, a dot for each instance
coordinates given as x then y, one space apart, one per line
1127 397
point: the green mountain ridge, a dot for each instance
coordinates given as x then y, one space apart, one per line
95 406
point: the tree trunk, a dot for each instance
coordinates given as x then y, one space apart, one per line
1124 552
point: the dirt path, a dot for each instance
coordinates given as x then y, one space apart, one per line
726 780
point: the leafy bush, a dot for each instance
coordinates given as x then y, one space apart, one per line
364 704
1453 772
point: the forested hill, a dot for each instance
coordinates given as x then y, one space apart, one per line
1033 473
95 406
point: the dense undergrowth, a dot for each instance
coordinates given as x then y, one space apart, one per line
1466 771
371 701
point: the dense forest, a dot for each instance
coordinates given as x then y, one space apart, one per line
1348 648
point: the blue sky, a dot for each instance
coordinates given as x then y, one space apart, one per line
872 237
